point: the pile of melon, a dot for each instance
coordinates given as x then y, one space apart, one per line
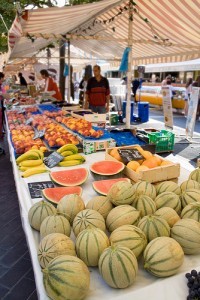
148 160
158 222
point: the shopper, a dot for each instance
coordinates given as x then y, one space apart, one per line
188 90
22 80
197 84
97 92
1 105
50 85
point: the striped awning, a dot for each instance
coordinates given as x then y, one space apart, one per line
163 30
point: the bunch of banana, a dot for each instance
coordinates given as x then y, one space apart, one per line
67 150
72 160
31 163
35 170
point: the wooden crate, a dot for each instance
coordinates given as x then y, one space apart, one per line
98 120
157 174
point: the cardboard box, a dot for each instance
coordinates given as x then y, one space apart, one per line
91 146
98 120
157 174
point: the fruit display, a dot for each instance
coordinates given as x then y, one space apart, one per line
191 211
144 188
189 184
90 243
55 224
80 126
53 245
74 285
102 187
195 175
169 214
168 186
169 199
193 283
145 205
121 193
55 195
71 177
100 204
189 196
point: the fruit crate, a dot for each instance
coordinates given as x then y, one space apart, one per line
164 140
157 174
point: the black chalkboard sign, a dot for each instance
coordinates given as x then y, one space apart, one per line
53 159
38 134
130 154
35 188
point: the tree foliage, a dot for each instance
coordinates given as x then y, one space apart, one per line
75 2
8 12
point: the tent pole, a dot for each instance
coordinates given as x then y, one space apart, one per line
129 73
69 75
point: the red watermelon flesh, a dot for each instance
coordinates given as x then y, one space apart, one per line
103 186
107 167
54 195
72 177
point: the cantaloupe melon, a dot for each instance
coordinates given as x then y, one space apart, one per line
189 184
163 257
55 224
187 233
66 277
144 188
168 199
131 237
53 245
154 227
195 175
191 211
189 196
118 266
168 186
90 243
38 212
100 204
88 218
145 205
70 205
169 214
122 215
120 193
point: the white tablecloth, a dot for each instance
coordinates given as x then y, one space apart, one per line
146 286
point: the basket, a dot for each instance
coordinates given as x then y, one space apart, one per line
164 140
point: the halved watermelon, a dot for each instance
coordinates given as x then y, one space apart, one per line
107 169
103 186
54 195
69 177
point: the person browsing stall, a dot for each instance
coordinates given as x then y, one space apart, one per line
97 96
22 80
50 85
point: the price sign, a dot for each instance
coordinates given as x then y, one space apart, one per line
29 121
39 134
53 159
35 188
130 154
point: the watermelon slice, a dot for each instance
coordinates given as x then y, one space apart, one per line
72 177
103 186
107 169
54 195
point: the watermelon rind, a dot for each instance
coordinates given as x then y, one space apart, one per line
106 169
67 177
101 186
54 199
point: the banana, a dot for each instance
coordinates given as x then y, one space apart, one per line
31 163
33 171
27 155
40 153
67 153
68 147
22 169
74 157
69 163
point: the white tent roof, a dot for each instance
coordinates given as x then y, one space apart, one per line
163 30
190 65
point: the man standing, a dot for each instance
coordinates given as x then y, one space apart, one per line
97 96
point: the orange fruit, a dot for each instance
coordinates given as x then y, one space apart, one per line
150 162
114 153
147 154
142 168
133 165
166 163
158 159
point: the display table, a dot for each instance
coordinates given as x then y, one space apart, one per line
146 285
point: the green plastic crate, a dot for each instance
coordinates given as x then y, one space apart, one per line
164 140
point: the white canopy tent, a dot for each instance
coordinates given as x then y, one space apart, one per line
157 31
